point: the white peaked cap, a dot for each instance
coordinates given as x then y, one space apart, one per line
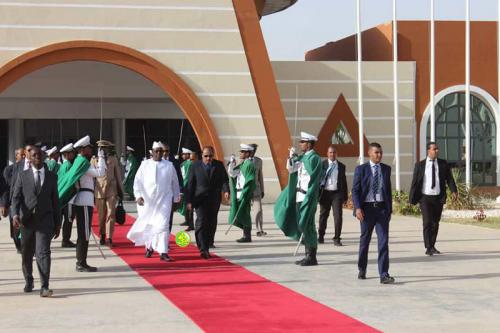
130 148
245 147
307 137
52 151
157 144
44 148
186 151
67 148
83 142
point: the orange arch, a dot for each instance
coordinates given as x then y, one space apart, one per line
125 57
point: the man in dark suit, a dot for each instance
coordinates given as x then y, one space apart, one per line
35 208
428 188
372 199
207 179
333 189
10 173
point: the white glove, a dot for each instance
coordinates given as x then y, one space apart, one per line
233 159
292 152
100 153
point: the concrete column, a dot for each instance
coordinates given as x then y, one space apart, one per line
119 137
16 137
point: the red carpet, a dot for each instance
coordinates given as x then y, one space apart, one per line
223 297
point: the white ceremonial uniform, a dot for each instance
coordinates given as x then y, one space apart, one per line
235 172
303 177
156 182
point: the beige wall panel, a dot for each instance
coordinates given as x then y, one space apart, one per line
197 3
384 109
349 90
340 70
246 127
136 39
118 17
204 62
220 83
231 106
322 109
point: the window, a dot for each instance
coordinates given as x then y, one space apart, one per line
450 136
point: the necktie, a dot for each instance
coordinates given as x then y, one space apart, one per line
375 182
38 182
329 172
433 174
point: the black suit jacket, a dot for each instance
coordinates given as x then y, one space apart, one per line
39 211
445 177
362 182
203 185
10 174
341 178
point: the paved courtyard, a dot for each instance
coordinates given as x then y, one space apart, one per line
456 291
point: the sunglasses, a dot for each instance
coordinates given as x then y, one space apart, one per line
158 151
208 155
303 141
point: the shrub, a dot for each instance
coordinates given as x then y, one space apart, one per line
466 198
401 204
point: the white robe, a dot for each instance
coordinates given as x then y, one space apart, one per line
157 184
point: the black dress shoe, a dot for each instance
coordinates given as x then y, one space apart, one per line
298 262
337 242
435 251
102 241
204 255
362 275
244 240
110 242
189 229
46 292
309 261
429 252
165 257
321 239
387 280
149 253
85 268
212 246
28 287
68 244
259 233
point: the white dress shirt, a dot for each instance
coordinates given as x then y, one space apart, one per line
331 181
379 197
427 184
42 174
27 164
87 181
303 177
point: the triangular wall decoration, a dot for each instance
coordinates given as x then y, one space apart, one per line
341 114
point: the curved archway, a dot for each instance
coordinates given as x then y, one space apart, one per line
125 57
482 95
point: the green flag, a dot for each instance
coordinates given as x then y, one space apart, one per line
239 214
128 182
66 184
292 219
64 168
185 168
52 165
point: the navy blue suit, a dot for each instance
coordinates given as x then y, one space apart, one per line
375 217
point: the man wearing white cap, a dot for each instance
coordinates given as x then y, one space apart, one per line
53 159
69 156
131 166
185 170
242 183
295 207
79 182
155 187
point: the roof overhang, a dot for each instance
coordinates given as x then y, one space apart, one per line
273 6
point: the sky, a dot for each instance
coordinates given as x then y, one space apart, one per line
312 23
